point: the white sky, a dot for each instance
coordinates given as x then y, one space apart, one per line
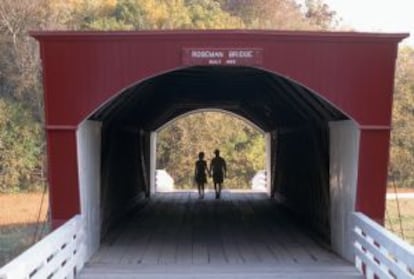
393 16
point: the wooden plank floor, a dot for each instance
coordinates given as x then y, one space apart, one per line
177 233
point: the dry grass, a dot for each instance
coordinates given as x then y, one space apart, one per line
392 222
18 209
20 222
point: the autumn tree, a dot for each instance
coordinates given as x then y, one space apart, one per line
21 106
320 15
282 14
155 14
402 140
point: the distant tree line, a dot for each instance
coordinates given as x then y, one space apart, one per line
22 143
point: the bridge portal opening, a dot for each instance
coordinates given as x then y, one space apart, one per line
240 142
310 163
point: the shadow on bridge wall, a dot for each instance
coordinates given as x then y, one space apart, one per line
302 175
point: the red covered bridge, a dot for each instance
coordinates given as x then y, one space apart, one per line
323 100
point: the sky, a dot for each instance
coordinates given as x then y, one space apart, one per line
391 16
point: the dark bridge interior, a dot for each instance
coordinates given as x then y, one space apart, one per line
296 118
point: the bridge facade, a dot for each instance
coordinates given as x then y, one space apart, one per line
323 100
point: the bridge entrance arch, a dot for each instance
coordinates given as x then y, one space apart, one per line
324 100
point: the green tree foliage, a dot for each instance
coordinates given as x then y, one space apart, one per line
402 140
20 148
156 14
21 109
180 142
203 14
282 15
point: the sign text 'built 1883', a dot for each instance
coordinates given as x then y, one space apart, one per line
222 56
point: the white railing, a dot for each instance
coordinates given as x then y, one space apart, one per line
258 181
163 181
58 255
378 252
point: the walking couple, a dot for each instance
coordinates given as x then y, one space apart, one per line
217 170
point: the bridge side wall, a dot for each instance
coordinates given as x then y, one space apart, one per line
89 165
124 172
302 175
344 149
62 174
373 172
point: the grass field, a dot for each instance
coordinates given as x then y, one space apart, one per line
19 227
19 214
392 220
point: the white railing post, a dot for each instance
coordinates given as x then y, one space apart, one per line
378 252
58 255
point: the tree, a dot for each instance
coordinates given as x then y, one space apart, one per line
154 14
20 148
19 53
281 14
402 140
320 15
21 104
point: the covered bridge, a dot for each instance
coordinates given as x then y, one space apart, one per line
323 100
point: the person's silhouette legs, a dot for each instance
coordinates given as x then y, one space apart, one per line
201 190
217 189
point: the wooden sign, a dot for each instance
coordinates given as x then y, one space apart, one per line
222 56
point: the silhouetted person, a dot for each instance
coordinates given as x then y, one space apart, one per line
200 173
218 170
